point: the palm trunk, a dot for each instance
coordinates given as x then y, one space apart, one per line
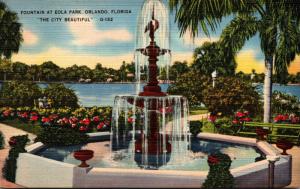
268 89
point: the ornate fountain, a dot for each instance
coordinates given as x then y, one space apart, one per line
151 127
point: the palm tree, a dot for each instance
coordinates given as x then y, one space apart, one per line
10 32
277 23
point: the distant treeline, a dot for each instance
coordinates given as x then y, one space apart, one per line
50 72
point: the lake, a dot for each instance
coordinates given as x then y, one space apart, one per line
103 94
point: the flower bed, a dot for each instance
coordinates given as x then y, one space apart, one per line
81 119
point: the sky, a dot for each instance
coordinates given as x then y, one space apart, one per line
106 42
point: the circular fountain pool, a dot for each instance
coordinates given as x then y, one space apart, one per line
195 160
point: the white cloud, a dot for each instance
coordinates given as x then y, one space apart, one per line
30 38
197 41
86 33
65 58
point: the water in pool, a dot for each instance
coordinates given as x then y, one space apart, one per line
196 160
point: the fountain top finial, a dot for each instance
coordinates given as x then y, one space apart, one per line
152 26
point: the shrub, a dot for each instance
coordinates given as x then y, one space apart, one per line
60 136
219 175
195 127
190 85
1 141
231 94
61 96
283 103
10 166
19 93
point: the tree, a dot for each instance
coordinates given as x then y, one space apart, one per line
19 70
177 69
211 56
5 67
49 70
277 23
10 32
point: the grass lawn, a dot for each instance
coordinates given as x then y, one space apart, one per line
197 111
28 127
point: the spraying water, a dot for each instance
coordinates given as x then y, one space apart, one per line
151 128
142 40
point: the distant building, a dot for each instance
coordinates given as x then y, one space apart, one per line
130 75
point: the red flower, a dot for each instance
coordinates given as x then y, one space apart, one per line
212 118
239 114
82 128
73 120
247 119
24 115
53 117
34 118
45 120
213 160
96 119
101 125
12 141
85 121
130 120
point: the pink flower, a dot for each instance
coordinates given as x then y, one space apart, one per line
73 120
235 121
96 119
6 113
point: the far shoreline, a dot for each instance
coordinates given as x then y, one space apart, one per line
127 82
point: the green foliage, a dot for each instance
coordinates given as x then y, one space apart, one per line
10 32
212 56
195 127
219 175
61 96
60 136
190 85
1 141
231 94
10 166
283 103
19 93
